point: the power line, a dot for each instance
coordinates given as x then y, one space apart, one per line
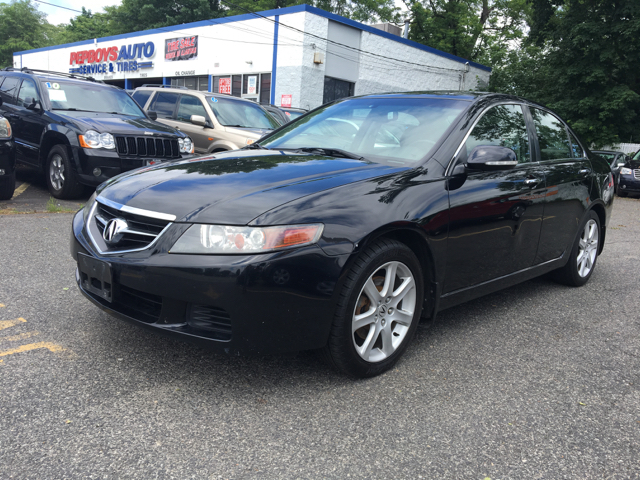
59 6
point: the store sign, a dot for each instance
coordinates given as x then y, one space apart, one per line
224 85
185 48
286 101
252 82
112 59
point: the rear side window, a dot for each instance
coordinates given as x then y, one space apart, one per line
190 105
27 90
504 126
164 104
141 96
576 149
8 89
552 136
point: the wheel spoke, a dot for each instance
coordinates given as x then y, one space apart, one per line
583 243
389 279
402 317
387 341
364 319
367 345
371 291
407 285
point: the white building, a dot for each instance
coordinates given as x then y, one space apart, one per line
301 55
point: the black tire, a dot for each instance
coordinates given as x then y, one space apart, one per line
572 273
340 350
60 177
7 186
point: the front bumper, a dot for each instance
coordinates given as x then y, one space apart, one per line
109 163
628 184
268 303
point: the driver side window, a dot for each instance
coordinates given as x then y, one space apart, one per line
504 126
27 89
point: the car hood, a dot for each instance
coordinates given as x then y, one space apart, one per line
117 124
235 187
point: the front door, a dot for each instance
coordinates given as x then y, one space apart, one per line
495 216
201 136
31 123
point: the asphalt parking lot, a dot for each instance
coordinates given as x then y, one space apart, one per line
537 381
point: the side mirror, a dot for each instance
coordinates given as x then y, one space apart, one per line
621 164
152 115
491 157
30 103
198 120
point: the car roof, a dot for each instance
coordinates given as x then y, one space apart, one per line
54 76
189 91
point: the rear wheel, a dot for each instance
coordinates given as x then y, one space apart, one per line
7 186
61 179
378 311
584 254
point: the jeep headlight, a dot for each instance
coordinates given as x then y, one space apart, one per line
93 139
186 145
5 128
220 239
626 171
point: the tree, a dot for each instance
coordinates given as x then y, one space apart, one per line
89 25
478 30
582 60
22 27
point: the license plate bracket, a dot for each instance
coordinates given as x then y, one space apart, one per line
96 276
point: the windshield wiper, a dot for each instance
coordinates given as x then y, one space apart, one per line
255 146
75 110
241 126
332 152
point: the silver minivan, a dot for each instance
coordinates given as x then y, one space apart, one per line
215 122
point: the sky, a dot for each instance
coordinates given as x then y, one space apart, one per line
57 15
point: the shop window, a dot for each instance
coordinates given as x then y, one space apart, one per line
335 89
236 85
265 88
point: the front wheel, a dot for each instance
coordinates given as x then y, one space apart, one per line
378 311
61 179
7 186
584 254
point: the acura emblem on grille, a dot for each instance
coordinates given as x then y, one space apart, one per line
114 230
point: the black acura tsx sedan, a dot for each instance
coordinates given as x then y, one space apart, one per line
340 230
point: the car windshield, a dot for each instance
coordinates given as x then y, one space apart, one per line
395 130
238 113
607 156
90 97
636 156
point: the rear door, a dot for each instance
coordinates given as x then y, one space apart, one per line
495 216
30 124
568 173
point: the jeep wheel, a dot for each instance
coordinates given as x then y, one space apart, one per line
61 179
7 186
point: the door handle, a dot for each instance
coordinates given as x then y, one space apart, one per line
531 182
584 170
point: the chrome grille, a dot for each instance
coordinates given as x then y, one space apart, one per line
140 233
636 173
147 147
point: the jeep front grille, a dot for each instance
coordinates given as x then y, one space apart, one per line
147 147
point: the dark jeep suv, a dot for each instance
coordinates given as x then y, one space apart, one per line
79 131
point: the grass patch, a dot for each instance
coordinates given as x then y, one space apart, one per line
54 207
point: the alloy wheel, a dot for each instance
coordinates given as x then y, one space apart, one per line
587 248
384 312
56 172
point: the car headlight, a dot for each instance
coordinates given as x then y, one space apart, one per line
88 206
186 145
216 239
5 128
626 171
93 139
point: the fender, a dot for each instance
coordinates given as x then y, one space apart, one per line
54 134
221 145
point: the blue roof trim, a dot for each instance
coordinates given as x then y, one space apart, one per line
268 13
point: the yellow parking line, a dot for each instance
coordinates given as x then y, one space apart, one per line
21 189
33 346
2 305
11 323
22 336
